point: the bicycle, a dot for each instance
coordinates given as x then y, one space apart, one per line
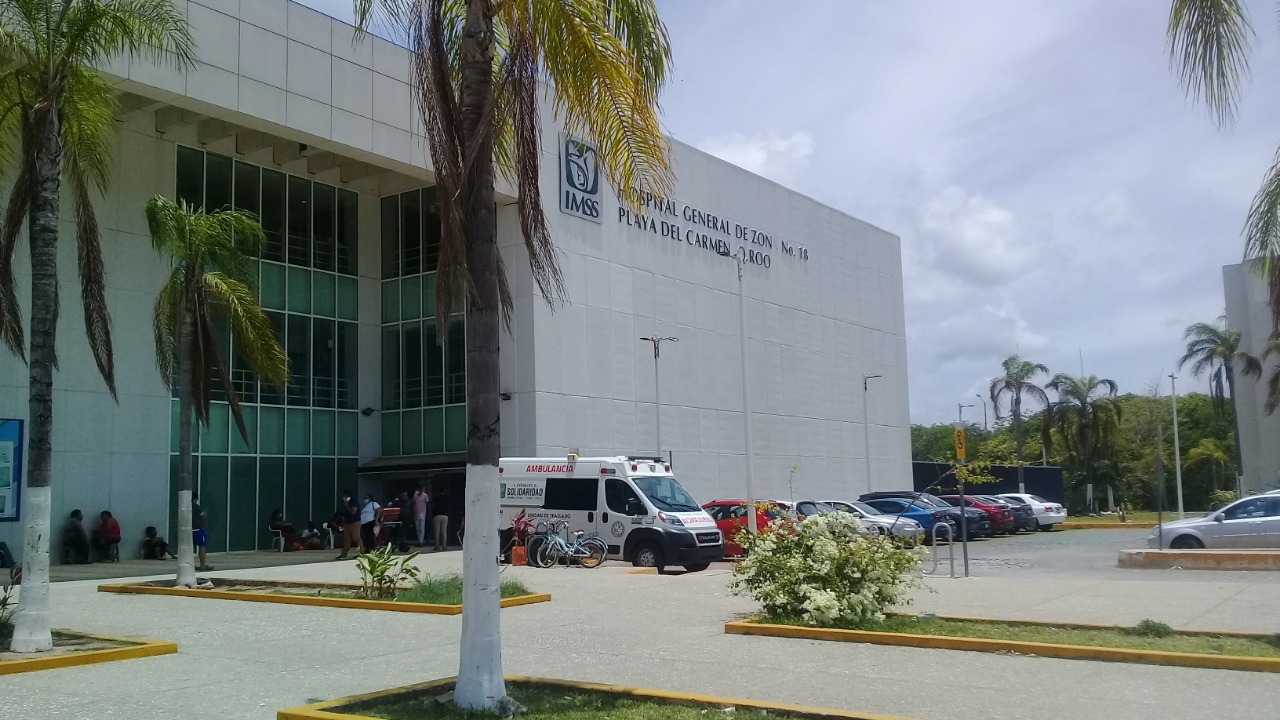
590 551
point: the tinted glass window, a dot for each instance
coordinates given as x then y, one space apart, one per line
1254 507
571 494
618 494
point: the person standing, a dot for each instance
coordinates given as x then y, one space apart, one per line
198 534
350 525
368 517
419 502
75 539
440 522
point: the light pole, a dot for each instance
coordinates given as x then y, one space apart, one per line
961 407
984 412
1177 450
657 340
746 392
866 428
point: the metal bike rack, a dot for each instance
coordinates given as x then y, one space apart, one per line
933 549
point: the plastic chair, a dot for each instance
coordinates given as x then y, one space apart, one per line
277 537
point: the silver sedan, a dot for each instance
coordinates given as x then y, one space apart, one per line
1253 522
901 528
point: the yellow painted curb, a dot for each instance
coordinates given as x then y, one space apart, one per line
137 648
1075 652
314 600
331 709
1199 559
643 571
1085 525
1095 626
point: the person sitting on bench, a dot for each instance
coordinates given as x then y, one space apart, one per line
107 536
74 539
154 547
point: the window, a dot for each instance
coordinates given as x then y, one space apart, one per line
273 215
571 494
347 361
412 348
455 364
299 242
390 237
1254 507
411 232
391 367
217 183
348 228
433 356
190 177
323 337
324 241
618 495
246 188
298 347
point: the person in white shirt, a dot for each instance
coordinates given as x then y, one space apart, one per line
368 516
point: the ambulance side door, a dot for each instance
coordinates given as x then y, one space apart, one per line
622 506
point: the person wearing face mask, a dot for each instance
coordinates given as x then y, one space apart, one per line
368 517
350 514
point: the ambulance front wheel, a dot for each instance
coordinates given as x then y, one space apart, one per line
697 567
648 554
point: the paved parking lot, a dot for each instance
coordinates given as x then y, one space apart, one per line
245 660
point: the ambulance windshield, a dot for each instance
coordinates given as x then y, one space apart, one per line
667 494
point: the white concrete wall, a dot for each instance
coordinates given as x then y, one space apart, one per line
815 327
1248 312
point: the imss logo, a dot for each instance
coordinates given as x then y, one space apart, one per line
579 179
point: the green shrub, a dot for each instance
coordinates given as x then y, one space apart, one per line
447 590
1221 498
381 573
1150 628
821 571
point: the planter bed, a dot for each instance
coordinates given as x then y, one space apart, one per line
71 649
1224 650
559 700
339 595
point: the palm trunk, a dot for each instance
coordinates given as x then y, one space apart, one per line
186 544
1018 440
31 628
1235 426
480 681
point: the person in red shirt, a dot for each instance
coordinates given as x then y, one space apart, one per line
106 536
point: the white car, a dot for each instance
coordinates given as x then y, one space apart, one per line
1253 522
1048 513
901 528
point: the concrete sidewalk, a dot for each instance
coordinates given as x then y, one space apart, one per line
246 660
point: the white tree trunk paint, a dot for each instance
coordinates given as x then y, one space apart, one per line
186 544
31 631
480 681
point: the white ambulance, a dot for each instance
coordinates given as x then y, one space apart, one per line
633 503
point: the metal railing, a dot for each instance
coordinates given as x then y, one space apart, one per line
935 536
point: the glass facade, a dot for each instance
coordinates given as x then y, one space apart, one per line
424 378
302 447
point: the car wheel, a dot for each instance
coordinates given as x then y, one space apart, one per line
1186 542
697 567
649 555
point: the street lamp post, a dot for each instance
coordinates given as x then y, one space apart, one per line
961 407
740 257
657 341
1177 450
983 400
866 428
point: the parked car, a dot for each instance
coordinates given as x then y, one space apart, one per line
802 509
1048 513
902 528
1001 514
926 517
1024 517
978 523
731 519
1253 522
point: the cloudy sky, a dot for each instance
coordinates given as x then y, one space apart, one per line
1055 192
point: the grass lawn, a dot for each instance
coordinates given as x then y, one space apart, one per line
447 590
556 703
1119 637
1132 517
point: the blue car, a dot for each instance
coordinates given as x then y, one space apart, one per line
927 517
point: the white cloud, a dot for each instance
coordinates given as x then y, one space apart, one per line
777 157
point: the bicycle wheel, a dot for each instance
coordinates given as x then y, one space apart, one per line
595 551
533 550
549 554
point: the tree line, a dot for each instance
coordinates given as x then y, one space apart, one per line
1098 436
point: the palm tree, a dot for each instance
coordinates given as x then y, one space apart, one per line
1210 452
1015 383
1209 46
59 123
479 67
1215 349
212 281
1086 416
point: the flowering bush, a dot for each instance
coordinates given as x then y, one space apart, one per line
823 572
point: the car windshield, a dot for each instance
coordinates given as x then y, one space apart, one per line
865 508
1038 499
927 500
666 493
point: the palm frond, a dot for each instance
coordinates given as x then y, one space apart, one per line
15 215
165 321
93 283
1262 234
152 30
1209 48
256 339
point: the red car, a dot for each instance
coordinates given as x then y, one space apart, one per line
731 518
1002 519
